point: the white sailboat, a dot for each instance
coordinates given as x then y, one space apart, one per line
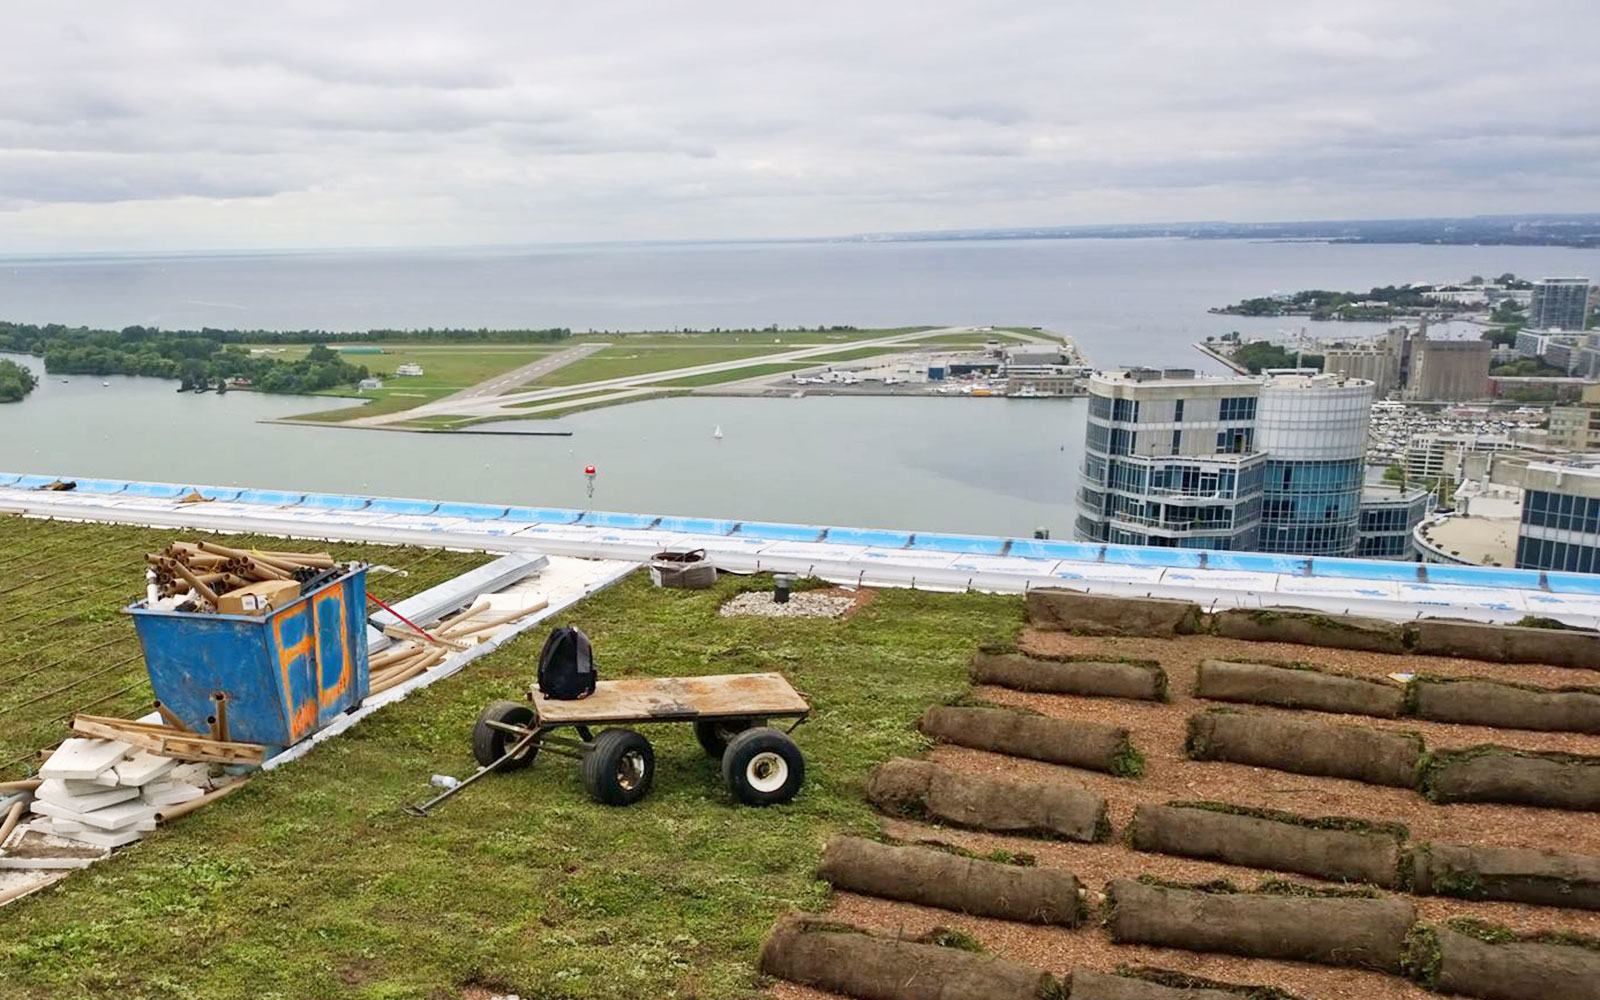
717 433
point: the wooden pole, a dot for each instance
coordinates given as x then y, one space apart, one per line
171 813
12 819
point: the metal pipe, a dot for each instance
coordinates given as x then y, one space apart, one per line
171 718
171 813
221 729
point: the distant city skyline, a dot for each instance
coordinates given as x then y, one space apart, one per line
173 126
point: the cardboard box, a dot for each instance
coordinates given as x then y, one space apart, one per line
258 598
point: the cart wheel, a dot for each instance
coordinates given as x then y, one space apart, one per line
490 744
715 734
763 767
620 767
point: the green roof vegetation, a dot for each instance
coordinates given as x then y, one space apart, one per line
311 882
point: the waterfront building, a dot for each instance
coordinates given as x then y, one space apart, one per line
1313 429
1269 463
1389 516
1377 363
1428 454
1559 303
1453 370
1170 459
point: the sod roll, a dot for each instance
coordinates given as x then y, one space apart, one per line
1366 933
1091 678
1095 746
1005 805
1289 687
1508 706
1501 774
949 881
1291 844
1513 874
850 961
1090 985
1336 751
1515 970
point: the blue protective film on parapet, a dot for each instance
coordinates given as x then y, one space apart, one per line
780 532
1445 575
471 511
9 479
34 482
696 525
273 498
613 519
1364 569
160 491
1571 583
1128 555
1036 548
877 538
542 515
973 544
1257 562
389 505
335 501
104 486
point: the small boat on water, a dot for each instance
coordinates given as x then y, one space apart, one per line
105 384
717 433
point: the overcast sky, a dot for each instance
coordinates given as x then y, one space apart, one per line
158 125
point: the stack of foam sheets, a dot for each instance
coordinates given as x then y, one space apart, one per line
107 793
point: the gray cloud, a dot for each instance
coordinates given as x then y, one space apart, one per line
184 124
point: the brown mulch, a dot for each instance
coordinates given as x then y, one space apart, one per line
1158 731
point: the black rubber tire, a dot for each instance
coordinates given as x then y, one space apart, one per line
715 734
490 744
620 768
763 767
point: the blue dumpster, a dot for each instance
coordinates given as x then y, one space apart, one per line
286 674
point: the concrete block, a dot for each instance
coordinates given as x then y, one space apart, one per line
171 795
1311 628
1096 614
118 817
1507 643
83 759
143 767
54 791
104 838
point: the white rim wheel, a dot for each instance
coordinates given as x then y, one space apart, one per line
630 770
767 772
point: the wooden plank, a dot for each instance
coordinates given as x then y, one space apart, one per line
169 742
667 699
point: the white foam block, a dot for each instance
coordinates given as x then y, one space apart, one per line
143 767
88 786
171 796
117 817
55 791
59 825
101 838
83 759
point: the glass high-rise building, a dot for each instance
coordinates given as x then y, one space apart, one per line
1559 304
1255 463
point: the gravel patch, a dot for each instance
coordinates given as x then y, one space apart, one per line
801 604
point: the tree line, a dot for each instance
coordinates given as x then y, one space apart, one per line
15 381
195 359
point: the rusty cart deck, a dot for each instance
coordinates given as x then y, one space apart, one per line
730 712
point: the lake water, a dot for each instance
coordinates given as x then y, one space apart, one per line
932 464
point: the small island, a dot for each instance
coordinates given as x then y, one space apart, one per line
1386 302
15 381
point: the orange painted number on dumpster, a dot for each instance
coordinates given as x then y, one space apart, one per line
327 608
294 663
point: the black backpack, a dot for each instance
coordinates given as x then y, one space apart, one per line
566 666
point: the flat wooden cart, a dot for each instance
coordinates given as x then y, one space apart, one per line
730 712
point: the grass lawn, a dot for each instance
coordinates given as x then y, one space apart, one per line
776 338
447 369
66 647
856 354
622 361
311 883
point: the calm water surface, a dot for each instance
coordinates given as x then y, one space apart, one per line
933 464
